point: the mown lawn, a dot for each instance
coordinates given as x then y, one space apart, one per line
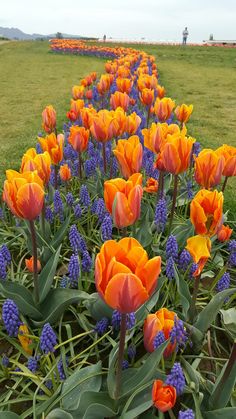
31 78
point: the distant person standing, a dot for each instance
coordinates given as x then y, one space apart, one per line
185 36
104 38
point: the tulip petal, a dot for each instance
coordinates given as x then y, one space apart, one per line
125 293
30 199
149 273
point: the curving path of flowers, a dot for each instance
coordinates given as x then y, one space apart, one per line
123 202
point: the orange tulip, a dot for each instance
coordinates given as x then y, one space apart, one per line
118 123
129 154
29 263
124 85
147 96
163 108
24 194
123 199
100 126
151 185
229 154
199 248
224 233
77 92
89 94
76 106
105 83
49 119
163 396
176 153
78 138
208 168
54 146
146 81
65 173
24 340
132 123
125 278
206 210
87 116
119 99
32 161
183 112
161 321
160 91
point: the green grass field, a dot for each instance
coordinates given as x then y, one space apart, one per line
31 78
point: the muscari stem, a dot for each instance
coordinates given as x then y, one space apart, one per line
35 270
104 157
120 355
224 184
173 201
43 220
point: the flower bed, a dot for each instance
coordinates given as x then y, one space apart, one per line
117 262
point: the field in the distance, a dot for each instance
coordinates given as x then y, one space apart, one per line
31 78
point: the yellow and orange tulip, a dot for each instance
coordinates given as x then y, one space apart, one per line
78 138
54 146
129 154
147 96
65 173
209 167
24 194
101 126
229 154
224 233
206 211
123 199
32 161
49 119
121 100
151 185
161 321
132 123
183 113
176 153
125 278
163 108
199 248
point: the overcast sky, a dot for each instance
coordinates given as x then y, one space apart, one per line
124 19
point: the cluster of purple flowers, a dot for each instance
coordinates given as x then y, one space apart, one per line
10 317
116 320
176 378
5 260
178 334
160 217
48 339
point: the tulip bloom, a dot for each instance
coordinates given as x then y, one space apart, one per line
29 263
224 233
118 123
183 113
24 340
160 91
105 83
163 396
100 126
229 154
65 173
75 107
49 119
123 199
147 97
124 276
161 321
151 185
132 123
129 154
78 138
32 161
24 194
77 92
176 153
206 210
119 99
54 146
124 85
87 116
199 248
209 167
163 108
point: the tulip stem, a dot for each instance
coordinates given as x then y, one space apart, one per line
35 261
173 201
120 354
104 157
80 165
148 115
171 414
161 184
55 175
192 308
224 184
